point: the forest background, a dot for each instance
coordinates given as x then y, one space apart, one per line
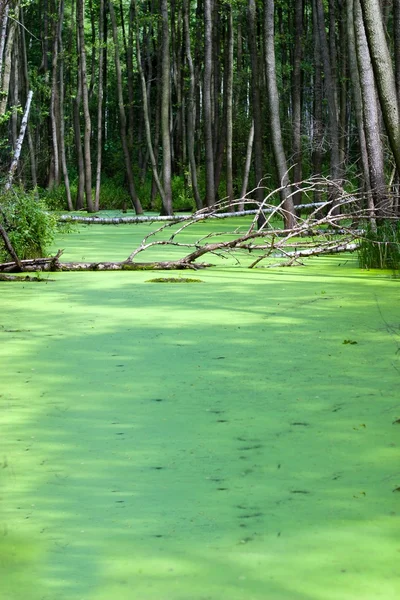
171 105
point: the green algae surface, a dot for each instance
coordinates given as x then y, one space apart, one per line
238 439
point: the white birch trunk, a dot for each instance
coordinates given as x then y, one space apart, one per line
20 140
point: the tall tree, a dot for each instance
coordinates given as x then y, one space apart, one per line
122 115
384 73
165 111
207 104
87 157
274 117
256 100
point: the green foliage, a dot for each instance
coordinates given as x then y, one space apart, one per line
30 227
380 246
56 199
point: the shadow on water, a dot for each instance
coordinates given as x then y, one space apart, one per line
193 442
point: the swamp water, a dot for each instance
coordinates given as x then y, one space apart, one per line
218 440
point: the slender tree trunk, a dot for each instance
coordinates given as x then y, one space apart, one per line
76 103
207 104
147 119
3 35
247 165
358 101
256 100
62 116
330 91
14 101
229 107
396 45
191 107
165 111
384 74
18 146
129 66
55 178
92 50
32 156
370 113
317 124
85 102
275 122
122 116
100 107
297 96
5 83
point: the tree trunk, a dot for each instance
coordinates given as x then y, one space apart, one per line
62 115
358 101
330 91
256 101
122 116
100 107
86 113
165 111
247 166
3 35
275 122
191 107
207 104
5 82
32 156
370 114
55 162
297 96
229 107
384 75
18 147
317 123
76 102
147 118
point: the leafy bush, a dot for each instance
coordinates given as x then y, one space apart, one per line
29 226
380 247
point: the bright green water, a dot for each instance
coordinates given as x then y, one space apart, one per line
202 441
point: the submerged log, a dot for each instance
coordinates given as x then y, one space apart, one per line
53 264
201 215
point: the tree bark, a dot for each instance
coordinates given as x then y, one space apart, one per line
147 119
297 96
247 165
371 114
122 116
5 82
32 156
207 104
384 74
191 107
86 112
275 122
358 101
100 95
256 100
229 107
330 91
62 115
165 111
18 147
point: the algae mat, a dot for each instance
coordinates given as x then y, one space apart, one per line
200 442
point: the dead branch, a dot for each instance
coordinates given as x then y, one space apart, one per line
324 230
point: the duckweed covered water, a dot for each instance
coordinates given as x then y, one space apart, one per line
200 442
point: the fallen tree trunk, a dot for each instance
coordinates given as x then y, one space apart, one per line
53 264
201 215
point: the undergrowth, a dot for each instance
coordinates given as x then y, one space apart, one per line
380 247
30 227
